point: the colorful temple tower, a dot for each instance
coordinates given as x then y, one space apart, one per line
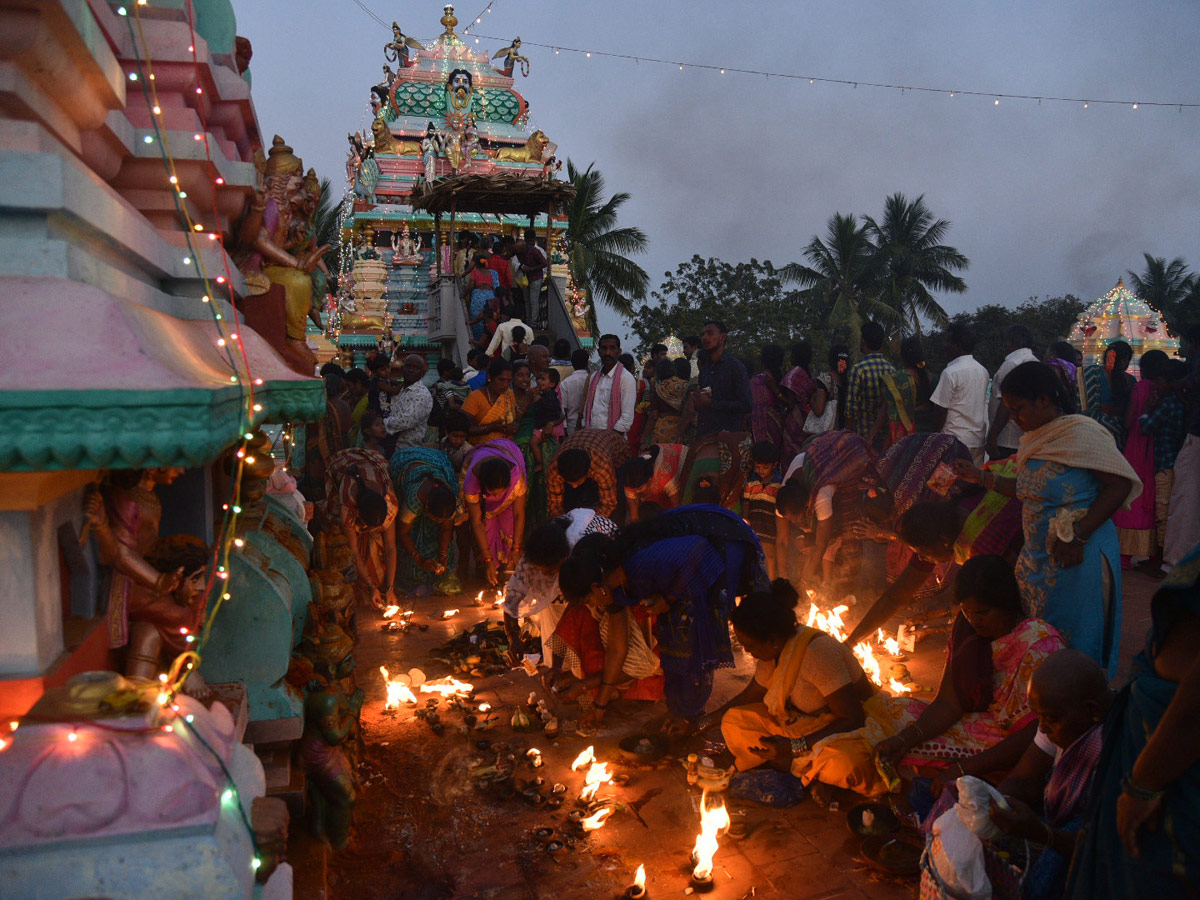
449 150
1121 316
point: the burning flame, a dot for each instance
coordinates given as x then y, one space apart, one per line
447 687
587 756
478 599
639 879
897 688
597 775
397 691
890 644
870 664
449 613
596 820
391 611
713 822
830 622
485 707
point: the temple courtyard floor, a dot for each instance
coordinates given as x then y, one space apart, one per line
427 827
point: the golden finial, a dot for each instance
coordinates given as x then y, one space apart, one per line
448 20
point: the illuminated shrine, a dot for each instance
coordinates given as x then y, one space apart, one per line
1120 315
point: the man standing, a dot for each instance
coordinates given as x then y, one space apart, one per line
961 392
570 389
610 395
502 340
691 352
539 360
533 267
1003 435
723 401
406 422
658 351
864 388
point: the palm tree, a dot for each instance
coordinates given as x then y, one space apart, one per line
1166 286
325 225
844 273
598 250
914 260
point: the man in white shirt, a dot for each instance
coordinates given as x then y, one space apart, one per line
609 395
502 340
1003 434
570 389
691 352
407 422
961 392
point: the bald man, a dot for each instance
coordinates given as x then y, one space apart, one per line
409 416
1070 694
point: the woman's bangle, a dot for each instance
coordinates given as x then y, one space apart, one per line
799 746
961 770
1129 787
919 730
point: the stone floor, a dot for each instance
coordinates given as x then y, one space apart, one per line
422 830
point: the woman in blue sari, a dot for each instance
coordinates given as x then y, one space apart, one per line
481 282
1142 836
687 567
1070 479
1104 389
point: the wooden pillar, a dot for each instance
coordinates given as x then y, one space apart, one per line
437 243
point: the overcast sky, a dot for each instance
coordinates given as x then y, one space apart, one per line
1044 199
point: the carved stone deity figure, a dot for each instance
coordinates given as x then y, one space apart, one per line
470 141
396 50
124 517
405 251
329 745
382 91
430 145
161 621
511 56
276 232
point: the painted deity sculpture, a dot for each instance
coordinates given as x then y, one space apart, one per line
512 56
124 517
274 236
431 143
328 748
459 98
537 148
164 621
396 50
406 251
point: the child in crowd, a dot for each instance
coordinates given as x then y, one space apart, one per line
1166 423
758 500
456 425
547 412
381 387
520 344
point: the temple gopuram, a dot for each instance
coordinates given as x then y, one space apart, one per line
449 150
1120 315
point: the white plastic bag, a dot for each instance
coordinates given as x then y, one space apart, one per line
957 854
975 798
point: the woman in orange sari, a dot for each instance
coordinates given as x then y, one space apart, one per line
493 407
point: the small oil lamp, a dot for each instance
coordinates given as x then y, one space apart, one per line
637 890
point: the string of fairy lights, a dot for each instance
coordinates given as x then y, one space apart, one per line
816 79
170 718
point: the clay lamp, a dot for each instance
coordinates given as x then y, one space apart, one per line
637 890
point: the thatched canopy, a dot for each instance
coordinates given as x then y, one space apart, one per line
496 194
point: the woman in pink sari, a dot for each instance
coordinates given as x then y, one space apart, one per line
1136 534
494 488
800 397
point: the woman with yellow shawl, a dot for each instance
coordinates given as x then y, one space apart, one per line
1070 480
493 407
807 702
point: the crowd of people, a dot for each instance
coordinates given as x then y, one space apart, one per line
645 520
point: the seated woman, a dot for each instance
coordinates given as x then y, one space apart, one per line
686 567
935 534
594 631
823 492
494 490
1056 775
427 488
980 721
655 476
808 691
1143 829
